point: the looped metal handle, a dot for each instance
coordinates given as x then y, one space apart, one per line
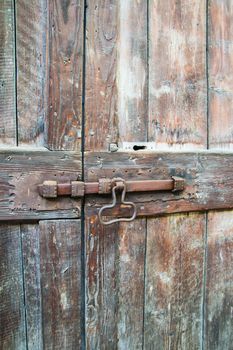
118 186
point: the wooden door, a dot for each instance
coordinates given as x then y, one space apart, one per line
131 89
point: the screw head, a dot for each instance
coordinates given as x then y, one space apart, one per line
113 147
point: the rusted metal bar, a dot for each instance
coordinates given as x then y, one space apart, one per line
52 189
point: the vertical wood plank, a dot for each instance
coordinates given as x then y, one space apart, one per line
116 73
115 285
220 74
31 267
132 71
177 120
116 111
31 44
101 58
12 316
175 257
177 74
219 301
101 285
219 295
65 74
7 74
131 284
60 262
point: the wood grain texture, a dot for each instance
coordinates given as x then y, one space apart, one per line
177 74
23 170
101 285
177 121
115 284
31 268
174 276
116 111
116 73
65 74
32 46
60 261
101 90
130 320
208 179
220 74
132 70
7 74
219 291
12 319
219 302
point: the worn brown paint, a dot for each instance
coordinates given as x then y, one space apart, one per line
177 120
116 111
117 79
60 264
65 75
174 273
22 172
177 74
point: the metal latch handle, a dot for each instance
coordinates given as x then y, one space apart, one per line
119 186
52 189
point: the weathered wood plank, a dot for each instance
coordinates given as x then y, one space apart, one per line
101 284
219 291
116 73
32 46
219 302
220 74
208 177
31 268
7 74
22 171
174 274
60 260
12 316
131 259
65 74
177 74
115 284
177 121
132 71
116 111
101 90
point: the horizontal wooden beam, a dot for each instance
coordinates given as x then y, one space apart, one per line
21 170
208 178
